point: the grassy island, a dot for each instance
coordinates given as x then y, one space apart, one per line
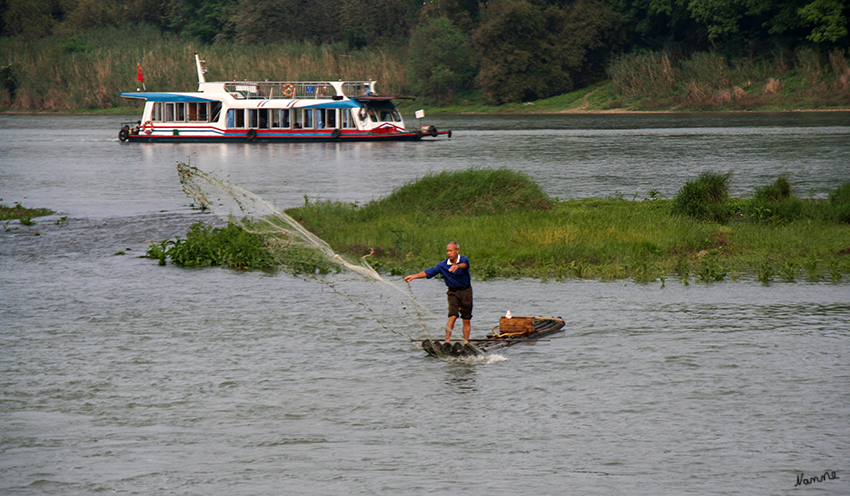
509 228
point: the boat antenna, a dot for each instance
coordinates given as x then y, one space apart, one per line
201 71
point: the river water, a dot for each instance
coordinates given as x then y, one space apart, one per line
120 376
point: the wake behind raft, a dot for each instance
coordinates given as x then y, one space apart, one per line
510 331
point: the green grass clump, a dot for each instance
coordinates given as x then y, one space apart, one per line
204 246
777 191
775 204
839 204
703 199
25 215
466 192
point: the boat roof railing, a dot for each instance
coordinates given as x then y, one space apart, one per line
266 90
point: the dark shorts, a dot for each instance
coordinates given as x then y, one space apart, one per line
460 302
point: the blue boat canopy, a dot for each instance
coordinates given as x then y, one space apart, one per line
342 104
165 97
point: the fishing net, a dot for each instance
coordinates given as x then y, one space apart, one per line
391 305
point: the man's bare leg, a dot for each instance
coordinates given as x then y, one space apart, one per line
467 327
449 326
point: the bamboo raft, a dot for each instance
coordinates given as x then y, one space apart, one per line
510 331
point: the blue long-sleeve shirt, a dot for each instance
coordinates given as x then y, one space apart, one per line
454 280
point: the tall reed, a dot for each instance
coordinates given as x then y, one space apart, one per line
642 74
90 70
709 80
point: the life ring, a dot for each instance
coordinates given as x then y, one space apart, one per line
124 133
321 90
288 90
147 127
335 134
251 134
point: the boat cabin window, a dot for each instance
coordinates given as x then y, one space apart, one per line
307 122
236 118
179 111
258 118
199 111
183 112
346 120
325 118
385 113
280 118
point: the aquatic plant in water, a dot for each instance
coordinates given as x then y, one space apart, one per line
205 246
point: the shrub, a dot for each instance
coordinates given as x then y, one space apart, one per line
204 246
704 198
466 192
839 204
841 196
777 191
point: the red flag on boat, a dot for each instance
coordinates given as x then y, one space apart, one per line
139 76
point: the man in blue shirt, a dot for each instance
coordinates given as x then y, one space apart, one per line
455 272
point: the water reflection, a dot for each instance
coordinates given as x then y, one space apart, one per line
460 377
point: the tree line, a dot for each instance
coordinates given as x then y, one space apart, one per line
510 50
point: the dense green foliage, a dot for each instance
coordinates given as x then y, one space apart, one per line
703 198
706 199
441 63
775 204
530 50
205 246
776 191
509 50
467 192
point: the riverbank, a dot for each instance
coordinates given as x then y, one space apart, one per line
601 98
529 109
87 76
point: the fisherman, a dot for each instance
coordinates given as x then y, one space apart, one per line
455 271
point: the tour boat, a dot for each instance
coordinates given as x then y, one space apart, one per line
511 331
265 111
